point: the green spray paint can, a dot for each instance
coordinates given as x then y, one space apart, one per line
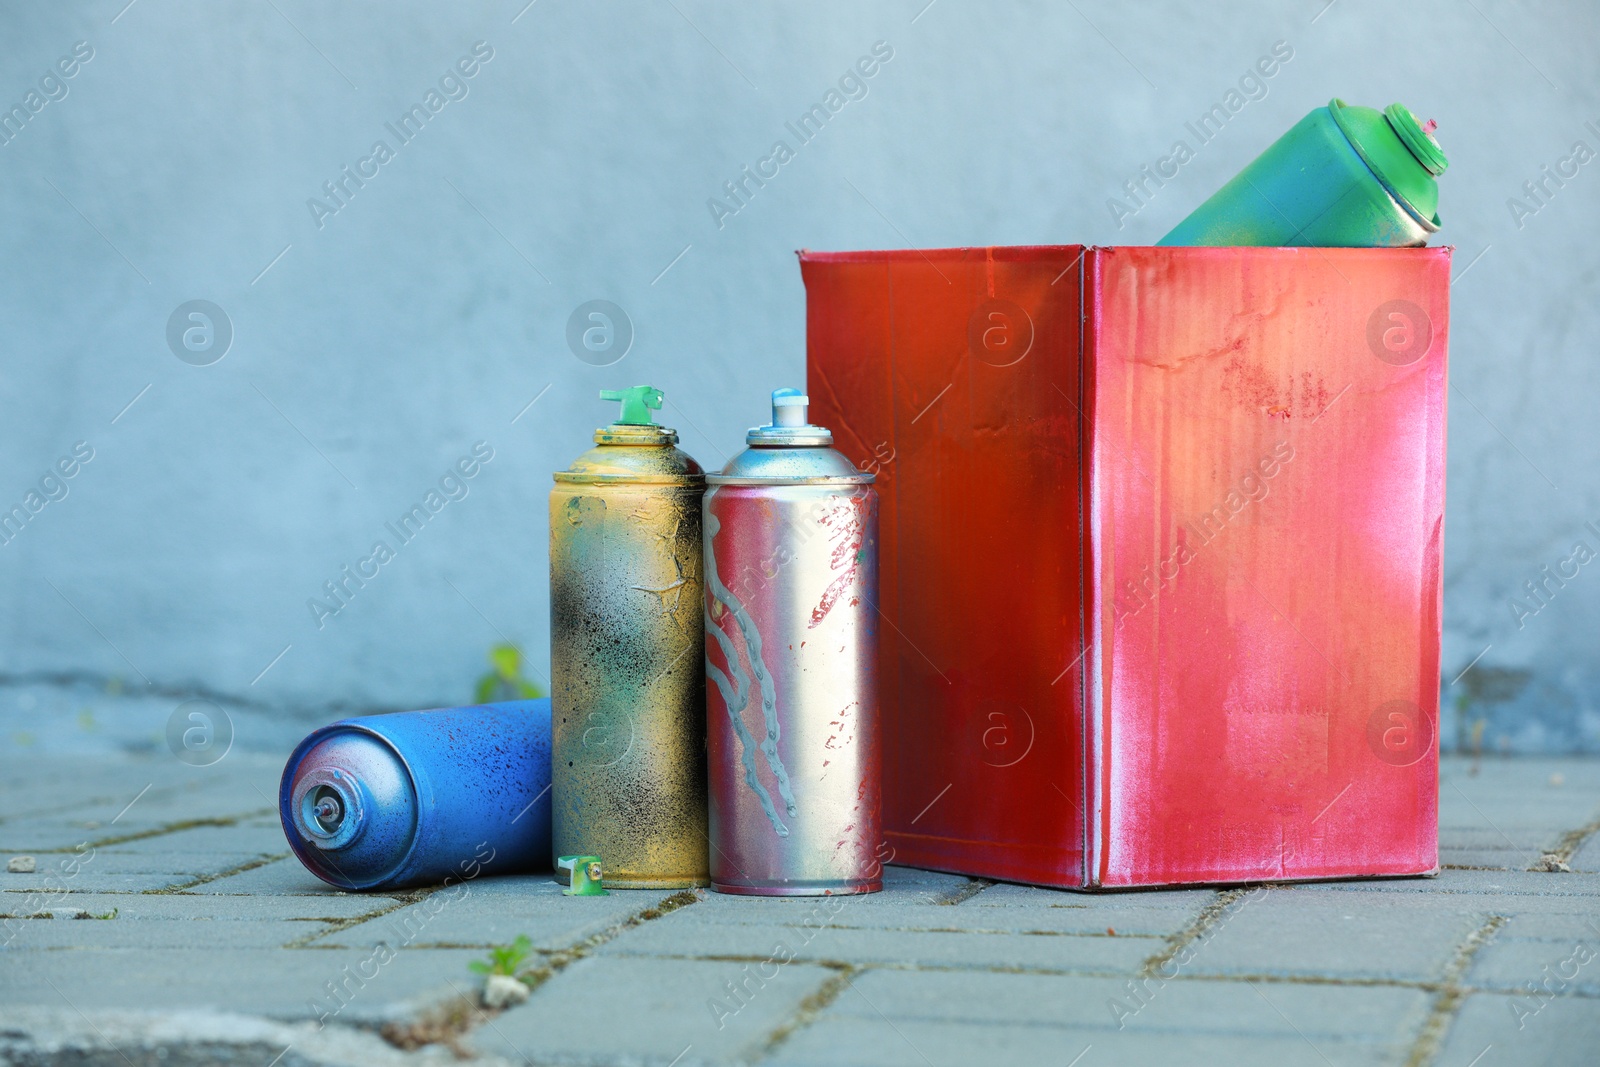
1342 177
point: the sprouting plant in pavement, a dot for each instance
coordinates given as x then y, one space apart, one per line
505 681
509 960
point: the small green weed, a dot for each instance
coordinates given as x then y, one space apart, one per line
509 960
505 681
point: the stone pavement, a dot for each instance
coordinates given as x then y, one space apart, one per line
199 940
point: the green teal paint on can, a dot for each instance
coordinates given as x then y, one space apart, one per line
1342 177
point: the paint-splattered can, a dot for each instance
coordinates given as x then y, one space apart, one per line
626 646
1343 176
420 797
791 649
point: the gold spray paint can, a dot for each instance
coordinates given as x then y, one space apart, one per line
627 650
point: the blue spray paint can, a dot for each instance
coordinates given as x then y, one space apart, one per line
416 797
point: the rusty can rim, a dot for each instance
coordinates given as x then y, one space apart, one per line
570 477
619 433
823 479
421 788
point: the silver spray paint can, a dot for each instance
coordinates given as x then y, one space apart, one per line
791 575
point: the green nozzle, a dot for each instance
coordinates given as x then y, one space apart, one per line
637 403
586 880
1417 137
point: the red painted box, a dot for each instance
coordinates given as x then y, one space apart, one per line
1161 545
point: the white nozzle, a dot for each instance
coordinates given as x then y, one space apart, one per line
789 407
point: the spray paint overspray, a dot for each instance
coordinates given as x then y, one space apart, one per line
416 797
626 648
791 621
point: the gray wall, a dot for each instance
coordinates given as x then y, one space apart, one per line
424 315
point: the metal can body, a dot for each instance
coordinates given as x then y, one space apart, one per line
792 704
626 646
419 797
1316 185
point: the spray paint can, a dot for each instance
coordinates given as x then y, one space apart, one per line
1343 176
421 797
791 653
626 646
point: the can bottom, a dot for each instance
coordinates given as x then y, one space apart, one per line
611 881
800 889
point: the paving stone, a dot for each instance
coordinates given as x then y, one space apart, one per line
108 871
1565 966
44 794
965 969
1027 896
1482 835
285 876
493 911
650 1011
1587 858
1040 919
679 934
43 837
1498 859
130 799
1576 921
877 1042
1500 835
1525 772
33 1037
1480 906
103 879
119 932
1494 883
907 884
259 838
163 838
335 907
1564 1032
38 783
902 887
1323 1012
1525 797
62 834
1311 931
277 983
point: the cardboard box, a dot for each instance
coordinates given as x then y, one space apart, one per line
1160 557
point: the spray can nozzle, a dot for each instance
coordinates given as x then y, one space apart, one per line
637 403
331 807
586 879
328 810
789 407
791 424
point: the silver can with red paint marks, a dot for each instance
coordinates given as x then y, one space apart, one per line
791 579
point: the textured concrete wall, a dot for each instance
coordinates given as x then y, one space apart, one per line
378 339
